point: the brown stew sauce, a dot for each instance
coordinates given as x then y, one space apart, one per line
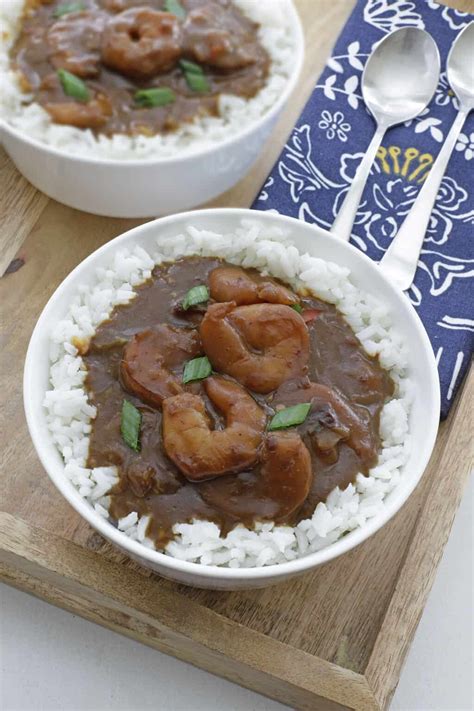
114 68
151 484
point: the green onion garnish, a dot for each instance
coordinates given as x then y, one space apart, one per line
196 295
73 86
197 369
298 308
197 83
175 8
290 416
161 96
194 76
68 8
130 425
191 67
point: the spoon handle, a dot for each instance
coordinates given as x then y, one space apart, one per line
400 261
342 226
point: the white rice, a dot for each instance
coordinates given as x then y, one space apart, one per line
270 250
276 34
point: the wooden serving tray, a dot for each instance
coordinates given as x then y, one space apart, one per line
333 639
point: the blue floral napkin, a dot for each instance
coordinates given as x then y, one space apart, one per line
316 167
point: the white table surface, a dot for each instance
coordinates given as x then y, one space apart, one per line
51 659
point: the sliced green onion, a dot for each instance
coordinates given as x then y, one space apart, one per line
290 416
194 76
130 425
298 308
73 86
160 96
191 67
197 82
67 8
175 8
197 369
196 295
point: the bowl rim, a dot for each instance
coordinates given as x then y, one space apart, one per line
187 568
185 155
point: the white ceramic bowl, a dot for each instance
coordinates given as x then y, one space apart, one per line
424 417
147 188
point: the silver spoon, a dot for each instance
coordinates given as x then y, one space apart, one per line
398 82
400 261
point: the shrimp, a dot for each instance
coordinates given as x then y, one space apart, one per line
261 345
141 42
93 114
236 284
148 358
208 39
332 419
201 452
273 493
287 470
74 41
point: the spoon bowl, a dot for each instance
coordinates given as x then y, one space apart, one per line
460 67
398 82
400 76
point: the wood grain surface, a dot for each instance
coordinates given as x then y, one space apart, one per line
20 206
333 639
